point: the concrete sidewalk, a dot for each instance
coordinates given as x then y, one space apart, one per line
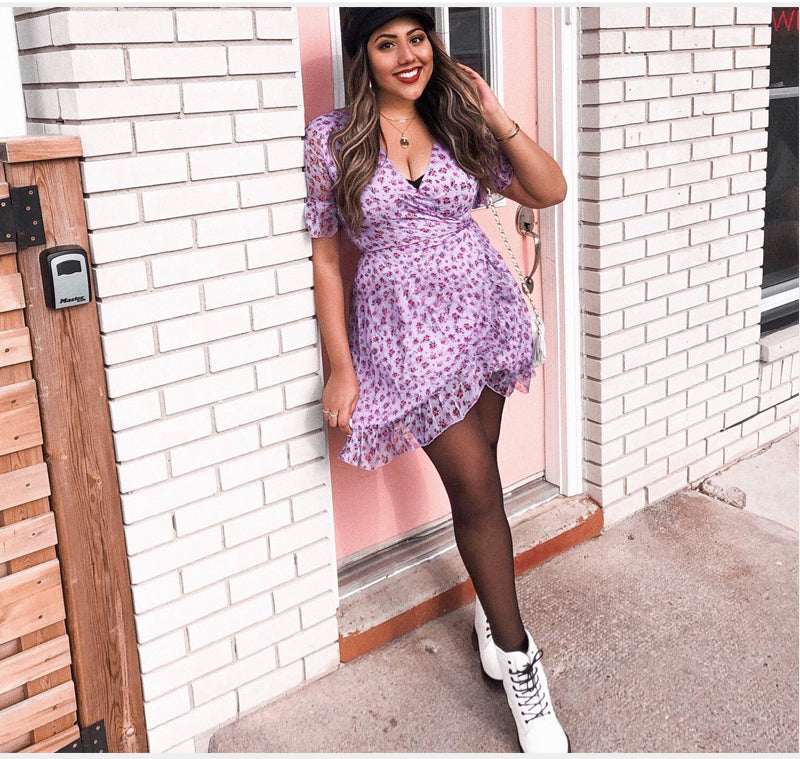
675 630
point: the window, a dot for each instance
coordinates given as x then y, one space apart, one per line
780 282
467 35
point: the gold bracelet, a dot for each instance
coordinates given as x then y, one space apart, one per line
511 134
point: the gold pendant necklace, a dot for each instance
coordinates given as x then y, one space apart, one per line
404 143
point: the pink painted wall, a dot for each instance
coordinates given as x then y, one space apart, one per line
315 54
374 507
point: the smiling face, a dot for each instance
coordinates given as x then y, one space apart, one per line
401 59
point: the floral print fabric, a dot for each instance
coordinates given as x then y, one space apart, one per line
435 313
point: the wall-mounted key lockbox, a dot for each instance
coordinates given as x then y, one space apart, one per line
65 276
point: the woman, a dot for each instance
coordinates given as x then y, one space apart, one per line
438 333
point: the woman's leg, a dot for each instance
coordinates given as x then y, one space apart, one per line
466 458
490 409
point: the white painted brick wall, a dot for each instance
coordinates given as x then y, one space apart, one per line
231 290
205 327
124 173
121 279
262 578
131 410
232 95
262 522
207 25
192 122
194 265
104 102
208 390
165 134
151 62
228 679
112 210
254 466
234 352
121 244
228 162
673 150
157 592
150 308
229 621
189 201
79 66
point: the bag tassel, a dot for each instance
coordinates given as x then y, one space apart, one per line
539 350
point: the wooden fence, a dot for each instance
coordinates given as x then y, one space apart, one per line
69 671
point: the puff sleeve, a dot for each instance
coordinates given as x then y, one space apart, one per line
320 207
501 172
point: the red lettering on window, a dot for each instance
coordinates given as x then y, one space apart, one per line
784 20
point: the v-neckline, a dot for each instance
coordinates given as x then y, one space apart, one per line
405 179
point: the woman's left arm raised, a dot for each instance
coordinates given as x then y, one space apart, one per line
537 181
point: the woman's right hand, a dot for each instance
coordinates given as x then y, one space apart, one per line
340 395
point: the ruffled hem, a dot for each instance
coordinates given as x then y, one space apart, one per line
373 447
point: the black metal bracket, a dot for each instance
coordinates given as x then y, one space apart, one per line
92 741
8 227
21 217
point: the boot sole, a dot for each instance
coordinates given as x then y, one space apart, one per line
488 678
519 745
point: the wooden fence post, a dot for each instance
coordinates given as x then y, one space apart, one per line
78 447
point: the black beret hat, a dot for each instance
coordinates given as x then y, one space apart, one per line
361 22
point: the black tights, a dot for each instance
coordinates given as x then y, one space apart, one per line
465 455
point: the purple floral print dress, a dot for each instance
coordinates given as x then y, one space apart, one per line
435 313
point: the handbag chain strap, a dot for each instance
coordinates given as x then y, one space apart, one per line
522 278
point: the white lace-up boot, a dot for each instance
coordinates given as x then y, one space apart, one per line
482 633
526 689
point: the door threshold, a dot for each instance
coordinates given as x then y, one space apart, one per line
384 606
373 566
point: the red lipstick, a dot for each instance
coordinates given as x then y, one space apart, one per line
407 79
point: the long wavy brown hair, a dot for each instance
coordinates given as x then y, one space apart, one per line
449 106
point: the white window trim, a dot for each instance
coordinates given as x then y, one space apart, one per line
788 291
337 57
557 106
496 52
784 92
780 295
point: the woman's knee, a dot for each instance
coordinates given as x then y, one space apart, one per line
477 513
476 496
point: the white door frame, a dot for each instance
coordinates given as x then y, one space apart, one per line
557 105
